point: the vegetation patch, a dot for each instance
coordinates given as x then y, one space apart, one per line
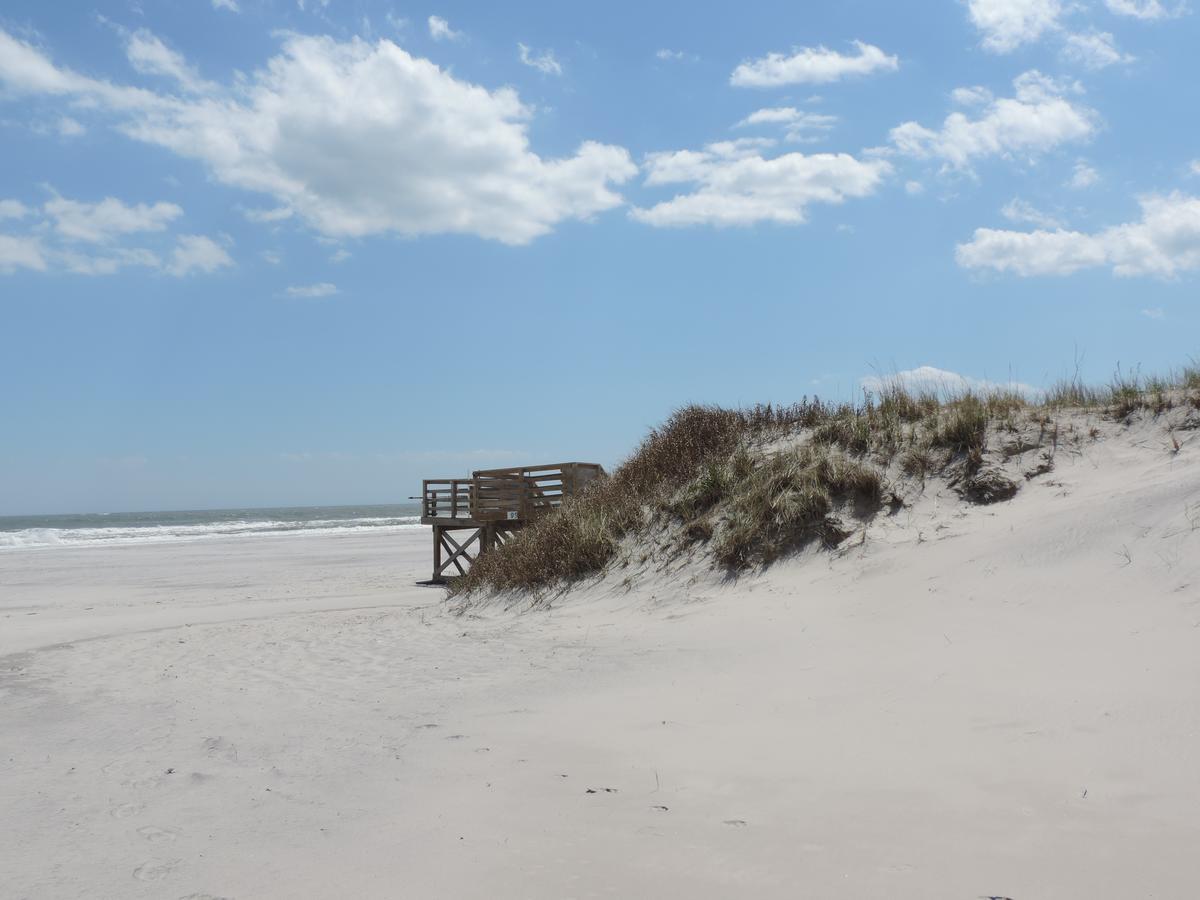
752 485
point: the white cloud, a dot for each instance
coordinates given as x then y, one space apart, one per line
230 5
262 216
1144 9
197 253
736 185
1018 210
68 127
1194 166
13 209
943 383
340 255
1083 176
545 63
271 257
1156 313
107 220
109 262
812 65
324 289
1164 242
774 115
671 55
25 70
971 96
1037 119
359 138
85 239
913 188
150 56
1094 50
440 30
1007 24
798 125
20 253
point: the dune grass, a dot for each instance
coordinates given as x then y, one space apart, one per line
713 475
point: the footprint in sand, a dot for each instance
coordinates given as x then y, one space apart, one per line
156 835
125 810
156 869
735 823
219 748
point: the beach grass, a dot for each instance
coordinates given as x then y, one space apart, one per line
752 485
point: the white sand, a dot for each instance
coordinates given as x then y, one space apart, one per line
977 701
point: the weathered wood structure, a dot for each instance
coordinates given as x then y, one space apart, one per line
472 516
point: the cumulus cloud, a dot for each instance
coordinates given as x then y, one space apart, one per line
358 138
440 30
21 253
107 220
150 56
673 55
1007 24
798 125
1164 243
107 262
68 127
1083 176
942 383
230 5
1039 117
25 70
324 289
734 184
1144 9
85 238
1018 210
543 62
266 216
971 96
1094 50
812 65
197 253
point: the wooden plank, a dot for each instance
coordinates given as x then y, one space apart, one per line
460 551
522 470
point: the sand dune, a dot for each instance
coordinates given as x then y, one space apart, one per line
965 701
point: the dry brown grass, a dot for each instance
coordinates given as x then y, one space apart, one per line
710 473
786 501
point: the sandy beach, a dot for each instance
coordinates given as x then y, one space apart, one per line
971 701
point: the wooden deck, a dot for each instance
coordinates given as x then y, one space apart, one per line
486 509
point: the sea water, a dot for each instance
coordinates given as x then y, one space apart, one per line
100 529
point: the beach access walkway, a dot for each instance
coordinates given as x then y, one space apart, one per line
491 506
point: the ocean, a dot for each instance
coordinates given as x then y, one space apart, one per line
106 529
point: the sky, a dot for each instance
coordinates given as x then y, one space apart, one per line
284 252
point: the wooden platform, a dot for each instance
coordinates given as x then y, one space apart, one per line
492 505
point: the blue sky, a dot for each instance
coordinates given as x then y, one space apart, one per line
267 252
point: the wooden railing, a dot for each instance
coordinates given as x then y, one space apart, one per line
446 498
515 494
